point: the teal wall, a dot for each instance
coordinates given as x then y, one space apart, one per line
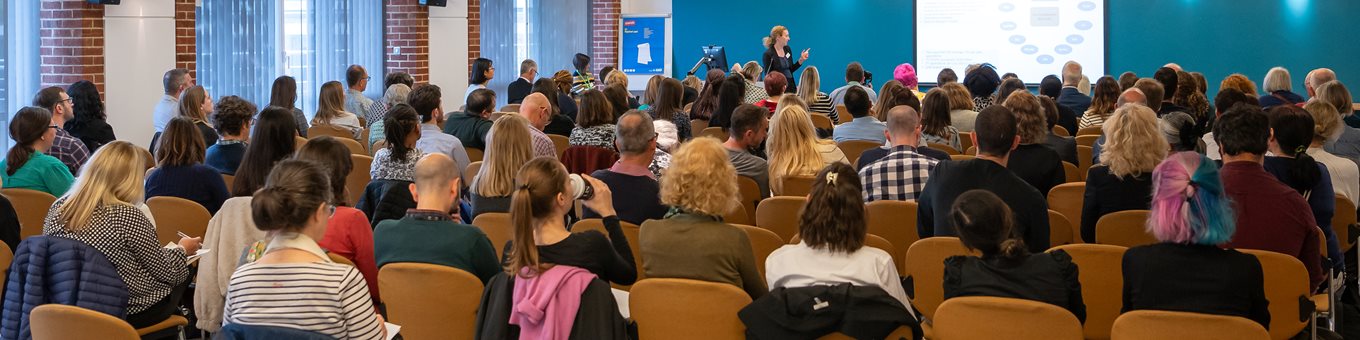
1216 37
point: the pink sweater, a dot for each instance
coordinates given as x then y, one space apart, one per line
545 305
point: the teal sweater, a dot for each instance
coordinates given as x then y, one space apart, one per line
416 238
41 173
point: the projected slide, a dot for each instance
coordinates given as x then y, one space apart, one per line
1031 38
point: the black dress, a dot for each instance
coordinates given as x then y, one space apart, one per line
1044 277
1194 278
785 65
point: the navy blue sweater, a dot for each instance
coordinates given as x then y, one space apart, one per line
199 183
226 157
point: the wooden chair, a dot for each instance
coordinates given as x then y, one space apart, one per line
946 148
750 196
407 292
1124 228
763 242
1073 173
59 322
174 214
1286 283
1093 130
358 178
1061 131
1341 221
795 186
961 157
985 317
895 221
378 145
1084 160
823 122
630 231
903 332
1059 229
319 130
715 132
697 124
471 172
854 148
1156 324
32 207
1102 284
925 266
666 309
843 112
972 150
498 229
561 143
340 259
738 215
1087 140
780 215
475 154
298 142
229 180
6 258
685 109
510 108
1067 199
354 146
966 142
148 157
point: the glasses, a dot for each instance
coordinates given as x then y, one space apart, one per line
53 127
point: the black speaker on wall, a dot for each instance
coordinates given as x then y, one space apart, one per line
106 2
436 3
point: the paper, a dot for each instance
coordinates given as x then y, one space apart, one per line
194 258
392 330
644 53
621 298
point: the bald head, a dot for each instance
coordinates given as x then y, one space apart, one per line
1316 78
1173 66
537 109
1132 96
1071 73
903 124
635 133
435 173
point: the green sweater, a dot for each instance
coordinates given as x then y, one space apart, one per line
416 238
41 172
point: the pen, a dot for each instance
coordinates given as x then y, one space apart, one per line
182 234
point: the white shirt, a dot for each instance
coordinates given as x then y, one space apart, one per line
348 121
1211 147
165 110
797 265
1345 173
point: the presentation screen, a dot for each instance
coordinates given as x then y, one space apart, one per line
1032 38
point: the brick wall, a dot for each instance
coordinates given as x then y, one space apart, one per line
474 31
186 50
72 43
407 27
604 33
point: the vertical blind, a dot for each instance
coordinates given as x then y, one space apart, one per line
237 53
342 33
18 60
516 30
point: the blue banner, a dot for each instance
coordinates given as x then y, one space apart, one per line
643 50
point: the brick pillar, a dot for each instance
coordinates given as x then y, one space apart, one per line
72 43
604 33
474 31
186 50
407 27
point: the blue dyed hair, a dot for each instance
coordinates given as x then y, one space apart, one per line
1188 203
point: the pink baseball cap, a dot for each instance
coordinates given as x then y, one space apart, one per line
906 75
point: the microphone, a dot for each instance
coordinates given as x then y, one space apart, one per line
696 65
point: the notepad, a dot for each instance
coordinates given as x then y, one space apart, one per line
392 330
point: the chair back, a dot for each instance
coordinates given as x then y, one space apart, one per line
1061 131
1067 199
972 150
715 132
6 258
738 215
944 147
854 148
966 142
1156 324
228 179
925 266
471 172
630 231
822 122
298 142
1124 228
763 242
475 154
1286 286
452 312
510 108
1072 173
986 317
59 322
750 196
378 145
318 130
358 178
843 112
580 159
1102 284
666 309
146 156
961 157
1084 160
31 206
354 146
498 229
174 214
795 186
340 259
1087 140
895 221
1059 230
1342 220
560 142
697 124
780 215
1093 130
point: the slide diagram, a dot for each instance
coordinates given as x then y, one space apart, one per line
1031 38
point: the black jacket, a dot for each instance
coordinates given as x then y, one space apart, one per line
811 312
597 317
519 89
385 199
93 132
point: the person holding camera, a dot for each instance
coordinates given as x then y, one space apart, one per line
544 192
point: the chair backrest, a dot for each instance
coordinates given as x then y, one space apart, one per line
795 186
1156 324
561 143
1072 173
6 258
1067 199
358 178
972 150
1059 230
298 142
1124 228
1102 284
1087 140
475 154
174 214
409 294
823 122
497 228
667 309
961 157
966 142
510 108
471 172
340 259
148 157
60 322
697 124
738 215
843 113
763 242
378 145
854 148
31 206
895 221
944 147
715 132
1084 154
228 179
925 265
1286 284
1341 221
318 130
750 196
630 231
780 215
986 317
875 241
354 146
1093 130
1061 131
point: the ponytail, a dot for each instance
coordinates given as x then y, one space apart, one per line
1304 170
983 222
538 183
17 156
775 33
1294 132
29 125
523 251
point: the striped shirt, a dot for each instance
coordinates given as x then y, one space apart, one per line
823 106
326 298
1091 118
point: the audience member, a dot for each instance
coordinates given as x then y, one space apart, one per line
749 129
649 93
794 148
65 147
1279 89
322 296
961 114
729 98
90 124
750 72
395 94
981 83
707 102
27 166
1188 271
1238 82
936 120
854 78
196 105
426 101
1189 96
397 161
545 194
175 82
180 171
9 224
775 84
538 111
232 118
1316 78
887 98
1227 99
818 102
564 107
1170 82
479 75
1122 180
1270 215
995 138
102 211
1126 80
692 242
667 106
430 233
1006 268
899 173
520 88
330 110
581 80
1070 97
284 94
1327 126
1066 147
1103 102
356 82
1180 131
595 123
472 125
1008 87
1348 143
274 140
495 181
348 233
619 98
1051 87
1038 165
864 126
639 193
1291 131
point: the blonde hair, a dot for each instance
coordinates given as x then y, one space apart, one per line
1335 93
1326 121
191 103
330 103
508 148
775 33
701 179
616 77
1134 142
1277 79
792 146
1239 82
693 82
650 93
887 96
810 82
790 101
751 71
1029 115
113 175
959 98
1084 86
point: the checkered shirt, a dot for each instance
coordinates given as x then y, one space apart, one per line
69 150
899 176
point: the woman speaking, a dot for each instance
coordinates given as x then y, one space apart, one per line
779 57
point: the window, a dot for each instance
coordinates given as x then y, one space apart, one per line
511 33
18 61
237 54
